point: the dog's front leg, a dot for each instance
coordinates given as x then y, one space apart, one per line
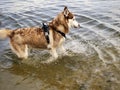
62 49
54 53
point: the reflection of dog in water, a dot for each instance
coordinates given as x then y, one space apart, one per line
50 36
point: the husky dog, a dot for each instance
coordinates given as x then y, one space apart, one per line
35 37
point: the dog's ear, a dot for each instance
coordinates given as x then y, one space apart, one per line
66 11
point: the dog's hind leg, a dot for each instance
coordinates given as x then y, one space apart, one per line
20 50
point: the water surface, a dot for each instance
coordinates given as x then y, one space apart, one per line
93 60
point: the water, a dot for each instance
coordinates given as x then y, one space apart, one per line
93 62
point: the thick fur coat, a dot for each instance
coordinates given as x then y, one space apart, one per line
22 38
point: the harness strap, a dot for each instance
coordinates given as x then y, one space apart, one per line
45 27
63 34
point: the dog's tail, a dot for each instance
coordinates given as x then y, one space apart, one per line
5 33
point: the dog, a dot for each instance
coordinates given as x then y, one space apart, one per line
23 38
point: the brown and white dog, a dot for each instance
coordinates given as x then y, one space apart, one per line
22 38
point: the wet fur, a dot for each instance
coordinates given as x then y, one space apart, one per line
22 38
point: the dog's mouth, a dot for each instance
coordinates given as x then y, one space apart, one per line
78 26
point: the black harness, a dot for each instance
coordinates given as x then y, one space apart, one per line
63 34
46 29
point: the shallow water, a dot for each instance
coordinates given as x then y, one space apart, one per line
93 60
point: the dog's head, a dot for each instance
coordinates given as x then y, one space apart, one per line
71 21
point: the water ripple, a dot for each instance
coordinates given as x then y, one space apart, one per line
93 59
